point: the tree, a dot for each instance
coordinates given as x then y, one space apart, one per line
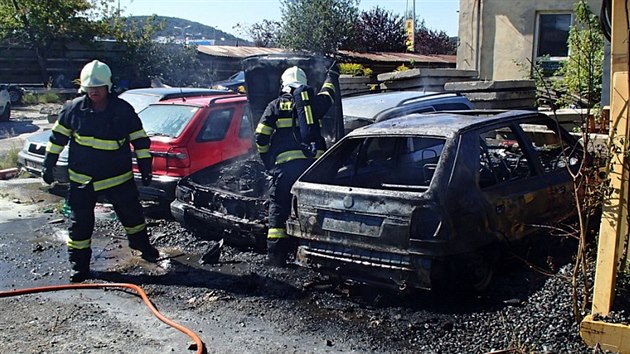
320 26
379 30
265 33
429 41
39 24
580 76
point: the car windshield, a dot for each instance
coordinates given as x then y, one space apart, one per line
139 101
403 162
166 120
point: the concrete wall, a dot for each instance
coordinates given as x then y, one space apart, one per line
504 35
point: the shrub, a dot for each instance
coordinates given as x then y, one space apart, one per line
354 69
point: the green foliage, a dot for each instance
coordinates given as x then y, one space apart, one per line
39 24
402 67
9 159
354 69
581 74
320 26
45 97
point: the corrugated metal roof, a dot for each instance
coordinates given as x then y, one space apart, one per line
242 52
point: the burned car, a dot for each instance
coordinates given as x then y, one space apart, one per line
230 198
427 200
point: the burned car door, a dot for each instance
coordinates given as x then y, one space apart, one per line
516 195
559 155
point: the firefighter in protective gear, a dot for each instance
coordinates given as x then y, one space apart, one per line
288 139
99 127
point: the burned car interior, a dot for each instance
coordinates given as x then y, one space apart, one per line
381 162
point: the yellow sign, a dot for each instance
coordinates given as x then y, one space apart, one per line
409 43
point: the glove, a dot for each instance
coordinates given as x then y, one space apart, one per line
146 179
47 175
145 166
309 150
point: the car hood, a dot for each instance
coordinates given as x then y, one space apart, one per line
262 76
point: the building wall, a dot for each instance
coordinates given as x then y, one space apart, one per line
503 37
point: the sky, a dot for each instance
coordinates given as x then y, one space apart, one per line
226 14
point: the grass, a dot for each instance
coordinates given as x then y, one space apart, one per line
10 158
46 97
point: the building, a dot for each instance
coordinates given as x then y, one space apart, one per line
501 38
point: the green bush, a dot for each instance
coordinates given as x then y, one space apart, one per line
354 69
46 97
402 67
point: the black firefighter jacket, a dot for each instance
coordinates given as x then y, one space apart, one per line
99 143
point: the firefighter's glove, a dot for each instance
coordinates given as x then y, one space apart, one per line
47 175
146 178
309 150
145 166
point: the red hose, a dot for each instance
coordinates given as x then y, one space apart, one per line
136 288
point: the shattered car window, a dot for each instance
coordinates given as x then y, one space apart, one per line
553 152
216 126
166 120
380 162
501 158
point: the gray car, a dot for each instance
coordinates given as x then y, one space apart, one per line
31 157
359 111
427 200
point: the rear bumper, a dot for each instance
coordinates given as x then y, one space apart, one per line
386 269
161 189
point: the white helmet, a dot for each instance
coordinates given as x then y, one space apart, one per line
96 74
293 77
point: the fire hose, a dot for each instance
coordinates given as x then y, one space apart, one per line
136 288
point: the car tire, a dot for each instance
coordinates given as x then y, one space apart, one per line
15 95
4 117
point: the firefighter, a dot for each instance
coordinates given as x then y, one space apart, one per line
288 139
99 127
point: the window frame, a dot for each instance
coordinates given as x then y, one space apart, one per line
537 34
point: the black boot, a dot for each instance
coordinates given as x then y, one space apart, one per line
277 252
140 242
79 264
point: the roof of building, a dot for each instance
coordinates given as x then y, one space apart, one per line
242 52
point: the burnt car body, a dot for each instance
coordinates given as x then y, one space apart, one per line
232 196
426 200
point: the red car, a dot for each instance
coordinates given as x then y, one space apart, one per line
188 134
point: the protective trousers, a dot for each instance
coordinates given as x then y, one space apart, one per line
82 200
283 177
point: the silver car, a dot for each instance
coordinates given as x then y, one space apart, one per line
5 104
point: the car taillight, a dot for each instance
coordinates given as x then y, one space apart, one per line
425 224
177 158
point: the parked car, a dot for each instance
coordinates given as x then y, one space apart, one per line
190 134
31 157
362 110
234 83
5 104
426 200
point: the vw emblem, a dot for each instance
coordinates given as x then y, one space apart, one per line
348 202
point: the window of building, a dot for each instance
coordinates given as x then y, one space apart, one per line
552 35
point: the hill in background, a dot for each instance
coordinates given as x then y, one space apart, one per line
173 27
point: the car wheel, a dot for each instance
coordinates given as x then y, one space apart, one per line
4 117
15 95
